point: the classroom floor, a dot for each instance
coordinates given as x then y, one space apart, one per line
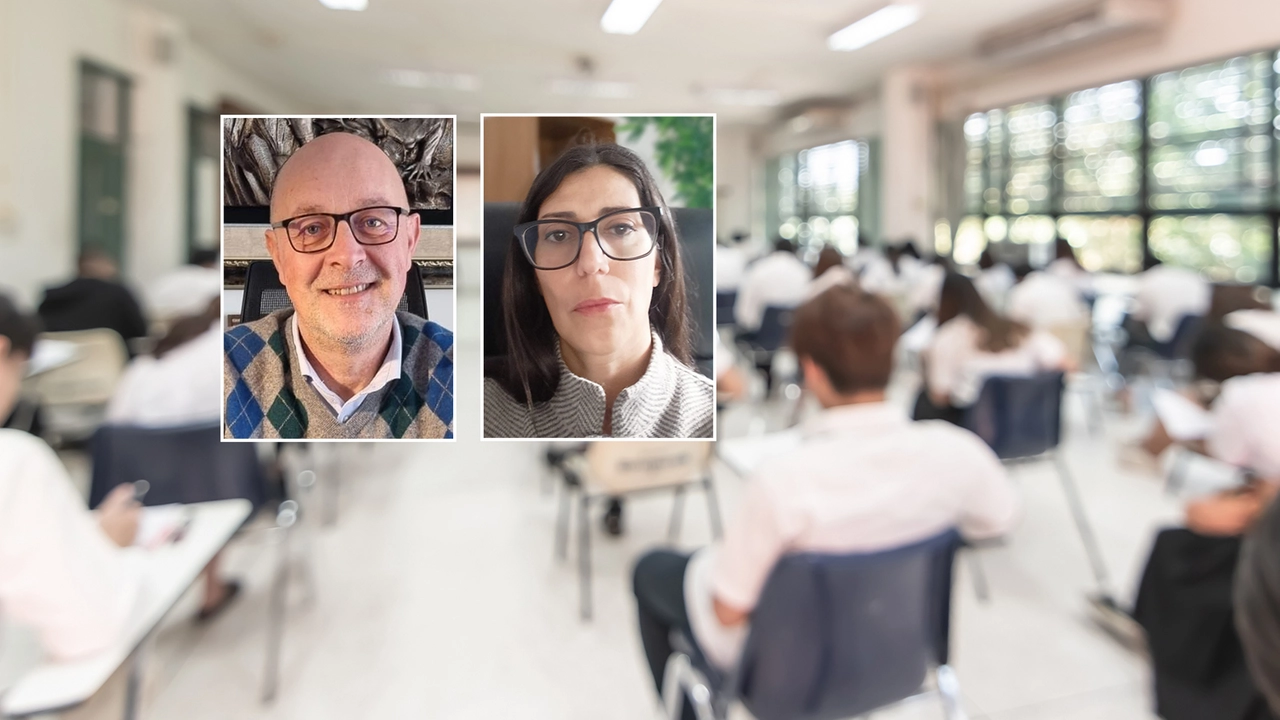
438 594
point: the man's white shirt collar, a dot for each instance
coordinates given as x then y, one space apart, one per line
387 373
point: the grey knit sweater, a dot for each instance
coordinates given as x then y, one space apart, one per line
671 400
268 397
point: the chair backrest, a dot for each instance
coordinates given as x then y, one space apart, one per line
183 464
264 293
697 241
775 327
1018 416
627 466
836 636
1075 335
1184 338
724 306
89 379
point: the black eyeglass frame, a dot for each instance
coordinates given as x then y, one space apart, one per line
339 218
522 228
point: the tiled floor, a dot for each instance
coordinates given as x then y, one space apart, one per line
438 596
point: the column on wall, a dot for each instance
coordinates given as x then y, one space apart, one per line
907 148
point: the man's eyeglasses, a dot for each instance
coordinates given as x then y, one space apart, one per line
315 232
622 235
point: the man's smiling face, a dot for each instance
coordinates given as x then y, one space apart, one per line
347 294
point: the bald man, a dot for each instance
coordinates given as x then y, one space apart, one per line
343 363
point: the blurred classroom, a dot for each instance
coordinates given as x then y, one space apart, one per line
1094 178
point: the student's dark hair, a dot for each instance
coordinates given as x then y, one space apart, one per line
782 244
1221 353
1257 603
960 297
1062 250
203 256
829 257
186 329
909 248
850 334
986 260
530 370
20 328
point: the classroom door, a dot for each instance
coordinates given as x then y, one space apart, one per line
104 133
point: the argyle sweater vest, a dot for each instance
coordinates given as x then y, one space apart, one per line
268 397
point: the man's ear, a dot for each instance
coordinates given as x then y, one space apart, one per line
413 226
273 249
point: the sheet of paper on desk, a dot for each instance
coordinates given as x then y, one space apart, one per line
160 524
1182 419
49 354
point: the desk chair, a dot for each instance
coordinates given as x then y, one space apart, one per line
763 345
73 397
725 300
1020 419
834 636
264 294
614 469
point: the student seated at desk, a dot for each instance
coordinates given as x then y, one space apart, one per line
1257 604
1243 396
178 385
62 570
865 478
973 342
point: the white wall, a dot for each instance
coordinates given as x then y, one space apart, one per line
41 45
736 178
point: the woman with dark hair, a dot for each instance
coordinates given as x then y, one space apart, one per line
829 272
974 342
597 323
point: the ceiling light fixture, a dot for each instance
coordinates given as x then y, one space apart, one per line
626 17
593 88
356 5
433 79
879 24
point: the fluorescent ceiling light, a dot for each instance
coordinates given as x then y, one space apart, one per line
626 17
356 5
879 24
747 97
433 79
593 88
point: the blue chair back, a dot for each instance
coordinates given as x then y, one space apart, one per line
836 636
725 301
775 326
183 464
1018 416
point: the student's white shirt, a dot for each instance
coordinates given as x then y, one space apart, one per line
779 279
59 573
1043 301
388 372
1165 294
957 365
1262 324
1245 429
186 290
833 277
924 286
182 388
865 478
994 285
731 264
1079 278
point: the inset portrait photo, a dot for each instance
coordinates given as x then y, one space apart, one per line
598 283
338 248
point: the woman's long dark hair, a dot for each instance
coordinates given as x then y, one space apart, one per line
960 297
531 371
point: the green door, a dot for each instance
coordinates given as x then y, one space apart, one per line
104 133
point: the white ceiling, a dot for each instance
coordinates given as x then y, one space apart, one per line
335 61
